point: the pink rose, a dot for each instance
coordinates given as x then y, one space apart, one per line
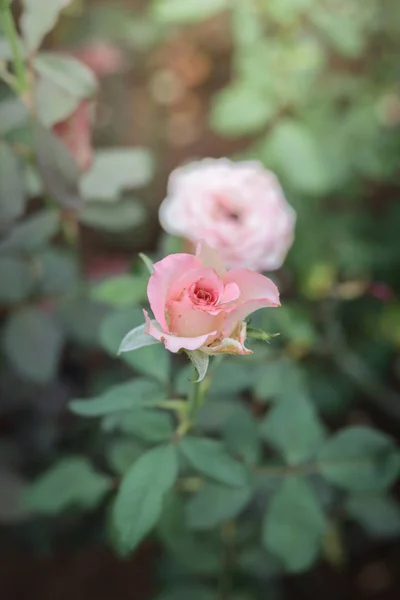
103 58
76 134
237 208
198 305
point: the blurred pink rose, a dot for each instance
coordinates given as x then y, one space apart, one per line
76 134
237 208
103 58
197 304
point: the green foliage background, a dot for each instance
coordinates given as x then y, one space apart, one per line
294 444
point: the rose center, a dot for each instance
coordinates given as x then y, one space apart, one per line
200 294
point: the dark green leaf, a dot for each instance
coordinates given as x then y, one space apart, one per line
188 592
122 453
242 436
16 279
138 504
293 427
360 459
57 167
59 272
280 379
71 482
33 344
293 525
12 195
33 233
379 515
210 458
215 503
148 425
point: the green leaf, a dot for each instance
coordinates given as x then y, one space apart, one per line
39 17
239 110
136 339
182 11
260 334
280 379
200 362
379 515
138 504
137 393
53 103
147 262
113 218
121 291
188 592
216 503
293 525
360 459
293 427
69 483
13 115
116 170
153 360
16 279
210 458
241 435
33 233
232 377
33 344
298 157
148 425
57 167
59 272
12 194
68 73
81 319
122 453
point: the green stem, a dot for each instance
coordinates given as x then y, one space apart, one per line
12 35
196 398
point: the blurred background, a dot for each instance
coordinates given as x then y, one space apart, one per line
308 87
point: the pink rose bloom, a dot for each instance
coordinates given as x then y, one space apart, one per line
237 208
76 134
198 305
102 58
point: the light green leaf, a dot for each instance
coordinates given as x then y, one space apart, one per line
241 435
138 504
16 279
147 262
12 194
184 11
115 217
240 110
298 157
209 457
377 514
136 339
116 170
216 503
293 525
148 425
293 427
200 362
33 344
53 103
137 393
13 115
33 233
68 73
153 360
360 459
233 376
39 17
69 483
121 291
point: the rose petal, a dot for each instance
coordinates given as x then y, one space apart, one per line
231 293
188 321
256 291
165 272
172 342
